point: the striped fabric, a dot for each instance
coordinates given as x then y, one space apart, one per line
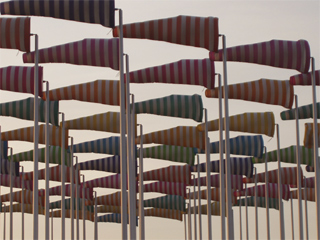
54 174
261 202
4 150
17 197
28 208
105 92
215 195
107 122
163 213
308 135
24 109
90 52
15 33
272 188
267 91
288 176
109 145
109 209
172 202
260 123
185 30
241 145
305 78
56 191
310 183
57 205
170 153
88 215
54 156
238 166
309 168
113 181
108 164
303 112
112 218
5 167
20 79
215 209
275 53
98 11
177 174
178 136
187 71
310 194
17 182
169 188
113 199
288 155
26 134
181 106
236 181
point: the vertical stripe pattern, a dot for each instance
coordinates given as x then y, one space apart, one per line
89 52
56 191
163 213
28 208
109 145
111 218
17 182
113 199
215 209
261 202
275 53
309 197
236 181
303 112
17 197
267 91
172 202
305 78
169 188
215 195
308 135
112 181
109 164
5 167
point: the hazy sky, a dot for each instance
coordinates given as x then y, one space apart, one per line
242 22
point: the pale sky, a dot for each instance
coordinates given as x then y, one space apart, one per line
243 22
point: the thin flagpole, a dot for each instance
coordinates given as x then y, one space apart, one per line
246 204
83 209
256 202
63 176
77 199
133 168
194 207
189 217
267 191
282 231
306 209
141 199
230 227
52 224
298 159
11 194
315 147
185 224
4 220
22 203
292 221
199 199
95 216
72 189
240 217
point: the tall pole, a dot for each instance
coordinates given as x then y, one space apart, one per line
47 202
267 191
185 224
4 220
72 200
246 204
35 142
292 222
123 165
282 231
83 208
11 194
199 198
22 203
315 147
141 203
306 208
194 207
189 217
298 159
77 199
95 216
227 145
256 202
240 217
133 169
52 224
63 176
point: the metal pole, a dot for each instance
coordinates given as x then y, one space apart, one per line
292 222
123 167
246 204
22 203
240 217
256 202
282 230
267 191
199 199
95 216
227 146
11 194
306 209
52 224
35 142
208 174
133 167
315 147
141 199
298 157
47 201
189 217
63 176
185 224
72 189
77 198
194 207
83 208
4 220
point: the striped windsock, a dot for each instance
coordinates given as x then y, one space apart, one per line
305 79
99 91
170 188
179 174
108 164
288 176
27 208
261 202
309 197
26 134
215 209
236 181
267 91
238 166
179 136
163 213
182 106
310 183
288 155
98 11
215 195
5 167
15 33
172 202
4 151
275 53
113 199
17 197
109 145
185 30
112 181
108 209
89 52
252 122
20 79
187 71
170 153
24 109
17 182
54 156
57 204
308 135
111 218
303 112
272 191
56 191
88 215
